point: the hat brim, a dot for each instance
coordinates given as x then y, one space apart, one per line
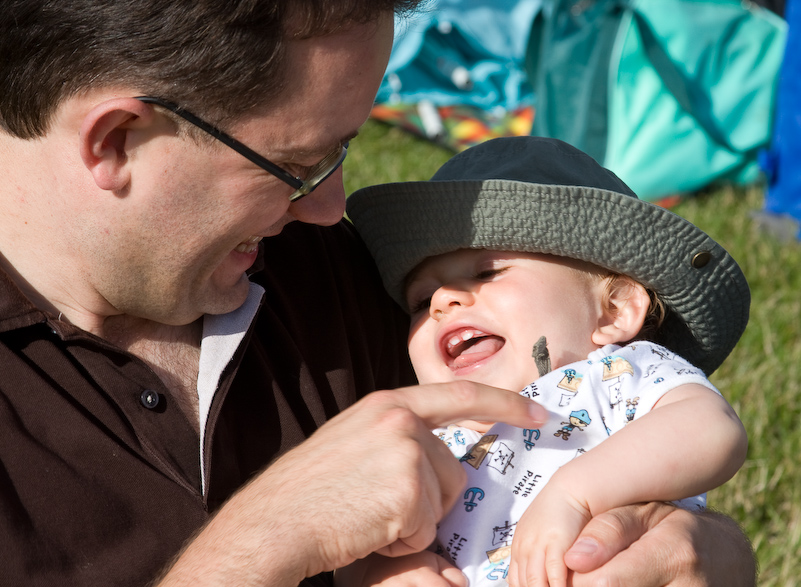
405 223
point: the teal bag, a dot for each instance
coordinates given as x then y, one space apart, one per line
671 95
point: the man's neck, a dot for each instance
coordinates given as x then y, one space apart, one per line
38 238
173 352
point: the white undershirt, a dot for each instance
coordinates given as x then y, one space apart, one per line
222 335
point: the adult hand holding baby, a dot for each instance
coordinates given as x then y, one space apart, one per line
636 545
374 478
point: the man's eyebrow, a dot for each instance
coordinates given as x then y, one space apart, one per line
325 151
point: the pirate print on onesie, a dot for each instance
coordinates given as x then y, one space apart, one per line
569 384
615 368
578 420
458 438
496 455
507 467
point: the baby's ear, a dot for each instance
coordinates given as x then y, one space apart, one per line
625 307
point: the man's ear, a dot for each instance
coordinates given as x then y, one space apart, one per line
624 311
104 139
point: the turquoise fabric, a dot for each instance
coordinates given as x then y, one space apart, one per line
671 95
487 38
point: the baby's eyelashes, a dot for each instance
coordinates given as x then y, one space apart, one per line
490 273
420 305
422 301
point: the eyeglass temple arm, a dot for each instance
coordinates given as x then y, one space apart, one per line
225 138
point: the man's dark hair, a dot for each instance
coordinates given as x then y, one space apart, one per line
216 57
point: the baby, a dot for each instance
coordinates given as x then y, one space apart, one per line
527 266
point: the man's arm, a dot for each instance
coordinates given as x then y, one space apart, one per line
374 478
660 544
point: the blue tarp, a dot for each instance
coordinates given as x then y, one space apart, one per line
783 162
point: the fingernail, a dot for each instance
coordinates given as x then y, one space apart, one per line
584 546
537 413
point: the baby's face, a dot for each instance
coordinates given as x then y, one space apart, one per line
476 315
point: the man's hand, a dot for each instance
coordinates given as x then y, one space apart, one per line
374 478
421 568
658 544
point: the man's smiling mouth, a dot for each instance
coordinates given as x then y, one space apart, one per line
249 245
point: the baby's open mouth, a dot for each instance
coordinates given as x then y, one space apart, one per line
469 346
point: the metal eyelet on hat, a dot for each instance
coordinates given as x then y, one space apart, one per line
701 259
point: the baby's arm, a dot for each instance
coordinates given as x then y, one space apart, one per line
421 568
691 442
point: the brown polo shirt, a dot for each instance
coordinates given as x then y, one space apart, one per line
99 468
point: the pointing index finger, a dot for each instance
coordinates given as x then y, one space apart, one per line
441 404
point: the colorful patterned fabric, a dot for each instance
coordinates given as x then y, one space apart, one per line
456 127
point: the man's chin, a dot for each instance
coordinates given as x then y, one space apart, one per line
228 300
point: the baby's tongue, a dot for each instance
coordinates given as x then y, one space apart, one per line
478 351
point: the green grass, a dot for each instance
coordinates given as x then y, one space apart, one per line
761 378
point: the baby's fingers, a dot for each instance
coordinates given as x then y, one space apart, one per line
528 571
556 568
517 572
544 568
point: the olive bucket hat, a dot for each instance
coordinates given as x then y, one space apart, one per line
539 195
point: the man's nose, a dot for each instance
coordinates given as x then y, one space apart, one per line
325 205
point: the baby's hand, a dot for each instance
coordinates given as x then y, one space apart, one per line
421 568
543 535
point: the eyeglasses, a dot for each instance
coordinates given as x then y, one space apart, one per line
315 176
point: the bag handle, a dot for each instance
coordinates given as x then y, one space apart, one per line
692 99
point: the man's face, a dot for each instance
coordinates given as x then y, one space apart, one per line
183 249
476 315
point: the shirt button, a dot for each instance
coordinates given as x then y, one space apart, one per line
149 399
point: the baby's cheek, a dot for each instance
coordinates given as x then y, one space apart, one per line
423 356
